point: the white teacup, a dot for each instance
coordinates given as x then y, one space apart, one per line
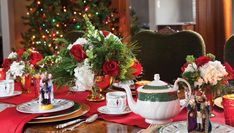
6 87
116 101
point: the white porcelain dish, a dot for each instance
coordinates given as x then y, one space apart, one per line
15 93
218 102
181 127
33 106
105 110
3 106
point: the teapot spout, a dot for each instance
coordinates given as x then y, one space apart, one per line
131 103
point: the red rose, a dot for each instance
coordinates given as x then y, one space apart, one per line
110 68
6 64
20 52
105 33
137 68
202 60
229 70
78 52
183 67
35 57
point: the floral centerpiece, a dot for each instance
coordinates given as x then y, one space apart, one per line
95 60
21 64
206 72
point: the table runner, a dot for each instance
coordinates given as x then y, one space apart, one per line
12 121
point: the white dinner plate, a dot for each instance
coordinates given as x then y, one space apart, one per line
15 93
218 102
3 106
181 127
33 106
105 110
73 110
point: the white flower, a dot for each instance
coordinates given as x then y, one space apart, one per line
79 41
84 76
212 72
191 68
12 55
110 35
17 69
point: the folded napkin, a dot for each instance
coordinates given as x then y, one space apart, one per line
15 120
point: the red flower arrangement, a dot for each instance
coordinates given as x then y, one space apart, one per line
96 54
21 62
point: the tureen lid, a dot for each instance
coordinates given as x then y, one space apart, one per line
157 81
156 85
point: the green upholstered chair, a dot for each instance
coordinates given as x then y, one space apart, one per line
165 54
229 51
72 36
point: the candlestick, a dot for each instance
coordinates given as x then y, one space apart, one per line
228 104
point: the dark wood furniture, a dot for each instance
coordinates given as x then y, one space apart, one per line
99 126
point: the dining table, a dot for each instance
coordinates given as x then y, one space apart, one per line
13 121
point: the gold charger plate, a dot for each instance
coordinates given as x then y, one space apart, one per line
69 111
218 102
83 110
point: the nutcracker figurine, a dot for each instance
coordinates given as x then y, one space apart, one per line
199 114
46 95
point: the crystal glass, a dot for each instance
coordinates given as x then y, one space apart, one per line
228 104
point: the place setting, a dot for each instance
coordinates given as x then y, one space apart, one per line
49 108
7 89
116 104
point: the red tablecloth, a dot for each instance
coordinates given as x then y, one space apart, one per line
12 121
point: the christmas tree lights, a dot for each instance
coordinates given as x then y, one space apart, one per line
50 20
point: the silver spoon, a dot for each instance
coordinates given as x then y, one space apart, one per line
88 120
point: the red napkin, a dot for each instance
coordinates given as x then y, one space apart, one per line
12 121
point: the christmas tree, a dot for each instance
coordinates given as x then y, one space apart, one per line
50 20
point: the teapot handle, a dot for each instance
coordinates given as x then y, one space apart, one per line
188 94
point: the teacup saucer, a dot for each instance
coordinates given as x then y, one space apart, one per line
105 110
15 93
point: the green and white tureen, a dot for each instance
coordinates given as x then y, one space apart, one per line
157 101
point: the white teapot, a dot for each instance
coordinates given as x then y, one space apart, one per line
157 101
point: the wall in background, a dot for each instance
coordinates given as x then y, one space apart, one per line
162 12
214 24
174 12
0 21
232 16
12 25
18 22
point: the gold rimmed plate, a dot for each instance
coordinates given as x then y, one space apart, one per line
70 111
15 93
181 127
33 106
83 109
218 102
